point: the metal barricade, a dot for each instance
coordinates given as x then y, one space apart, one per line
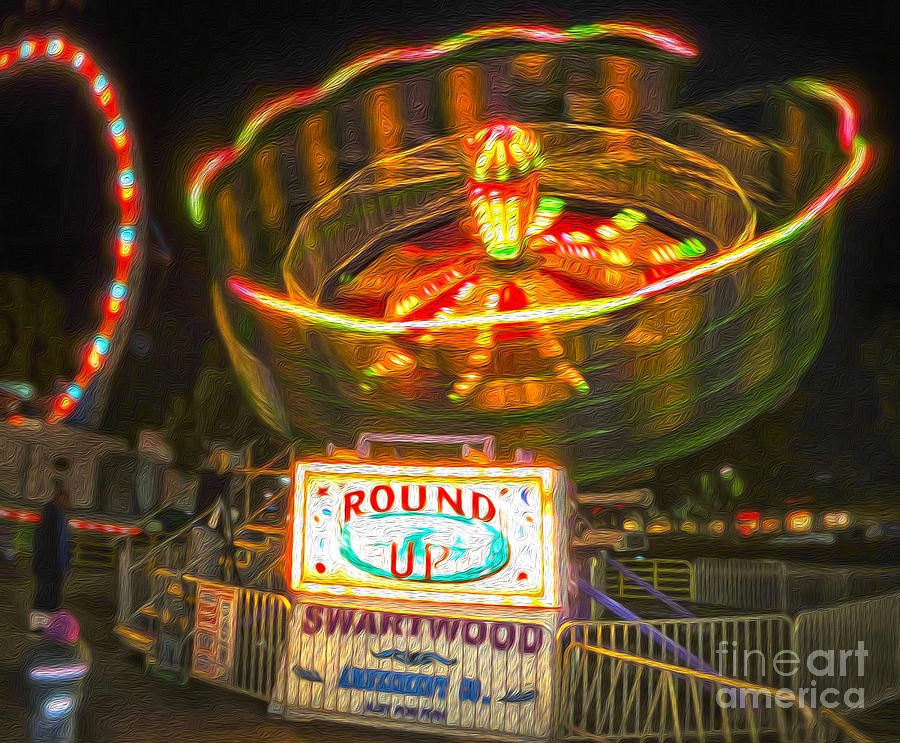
675 578
807 587
612 695
92 551
749 585
853 648
741 647
864 582
262 621
779 586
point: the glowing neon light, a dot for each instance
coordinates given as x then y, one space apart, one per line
836 520
117 290
206 168
860 159
799 521
770 524
59 705
58 673
59 50
628 219
99 526
14 515
100 347
414 531
748 523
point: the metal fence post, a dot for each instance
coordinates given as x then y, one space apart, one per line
124 580
783 588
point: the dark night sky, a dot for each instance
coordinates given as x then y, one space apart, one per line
192 70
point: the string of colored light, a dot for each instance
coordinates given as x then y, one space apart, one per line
860 158
208 167
61 53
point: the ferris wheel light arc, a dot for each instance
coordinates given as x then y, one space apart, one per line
60 52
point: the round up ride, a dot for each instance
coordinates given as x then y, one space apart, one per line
521 232
526 232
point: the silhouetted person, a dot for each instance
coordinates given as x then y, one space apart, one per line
215 482
50 561
212 540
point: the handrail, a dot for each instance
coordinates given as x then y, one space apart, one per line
364 442
267 466
646 628
654 592
184 529
259 511
727 682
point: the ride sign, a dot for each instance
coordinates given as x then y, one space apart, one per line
386 668
454 533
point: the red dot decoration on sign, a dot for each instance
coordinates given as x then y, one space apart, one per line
59 52
320 568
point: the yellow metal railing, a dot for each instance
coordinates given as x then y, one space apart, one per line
262 621
675 578
612 695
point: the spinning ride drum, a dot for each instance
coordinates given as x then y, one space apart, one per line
670 277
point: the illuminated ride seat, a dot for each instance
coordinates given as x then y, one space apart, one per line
342 231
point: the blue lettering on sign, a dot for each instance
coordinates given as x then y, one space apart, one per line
393 682
425 714
469 690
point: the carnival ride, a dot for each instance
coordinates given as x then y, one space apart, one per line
671 280
520 232
517 231
36 444
98 354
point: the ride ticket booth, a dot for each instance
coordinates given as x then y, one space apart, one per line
426 593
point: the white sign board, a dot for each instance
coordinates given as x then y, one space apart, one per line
214 633
448 533
410 670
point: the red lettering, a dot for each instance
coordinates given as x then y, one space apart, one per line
531 639
443 495
387 490
404 498
352 503
409 560
312 620
336 617
392 621
477 500
480 632
510 630
444 627
445 553
414 626
366 623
